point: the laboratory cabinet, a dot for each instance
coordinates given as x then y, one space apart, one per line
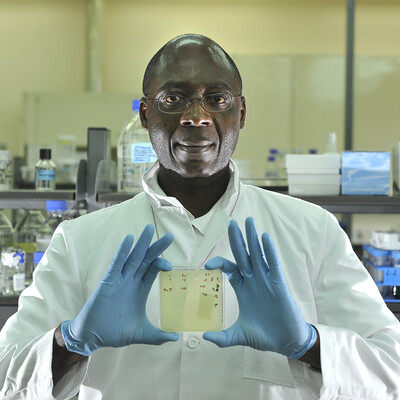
30 199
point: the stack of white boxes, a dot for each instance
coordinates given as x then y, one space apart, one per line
313 174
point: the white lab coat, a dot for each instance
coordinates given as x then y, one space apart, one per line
360 337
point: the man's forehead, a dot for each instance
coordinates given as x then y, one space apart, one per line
194 61
194 49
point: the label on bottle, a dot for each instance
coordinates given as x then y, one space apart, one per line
143 153
46 175
19 282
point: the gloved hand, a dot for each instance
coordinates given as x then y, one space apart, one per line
115 314
269 319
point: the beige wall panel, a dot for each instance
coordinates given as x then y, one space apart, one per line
134 30
318 106
42 47
48 115
376 103
377 27
268 94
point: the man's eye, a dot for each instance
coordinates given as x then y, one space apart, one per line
172 99
218 98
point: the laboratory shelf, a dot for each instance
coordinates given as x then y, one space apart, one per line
114 197
8 301
393 305
31 199
357 204
334 204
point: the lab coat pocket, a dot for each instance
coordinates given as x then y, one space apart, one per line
267 366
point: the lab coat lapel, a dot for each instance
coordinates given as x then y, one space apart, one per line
217 228
175 220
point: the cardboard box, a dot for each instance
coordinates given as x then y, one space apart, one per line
366 173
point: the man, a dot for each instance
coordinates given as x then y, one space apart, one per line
302 317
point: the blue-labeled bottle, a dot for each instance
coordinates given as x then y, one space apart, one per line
45 172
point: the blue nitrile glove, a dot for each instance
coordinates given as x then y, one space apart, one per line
269 319
115 314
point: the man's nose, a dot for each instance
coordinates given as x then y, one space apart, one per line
195 115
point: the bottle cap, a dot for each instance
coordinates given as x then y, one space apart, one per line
135 105
37 256
56 205
271 158
45 154
273 151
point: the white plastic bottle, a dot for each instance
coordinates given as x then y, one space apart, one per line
135 153
331 144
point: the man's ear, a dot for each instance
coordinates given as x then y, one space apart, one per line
143 113
242 112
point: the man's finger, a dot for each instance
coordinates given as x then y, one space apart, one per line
272 258
256 253
139 251
238 247
224 338
159 264
118 262
228 267
154 251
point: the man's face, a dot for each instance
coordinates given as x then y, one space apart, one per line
195 142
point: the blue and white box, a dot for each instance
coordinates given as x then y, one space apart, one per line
366 173
396 168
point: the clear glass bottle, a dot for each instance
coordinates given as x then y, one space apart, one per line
56 213
45 174
135 153
25 236
6 230
12 271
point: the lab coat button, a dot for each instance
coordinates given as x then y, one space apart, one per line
193 343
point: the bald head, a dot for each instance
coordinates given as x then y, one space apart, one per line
188 44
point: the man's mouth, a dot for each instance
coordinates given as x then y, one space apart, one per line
195 147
